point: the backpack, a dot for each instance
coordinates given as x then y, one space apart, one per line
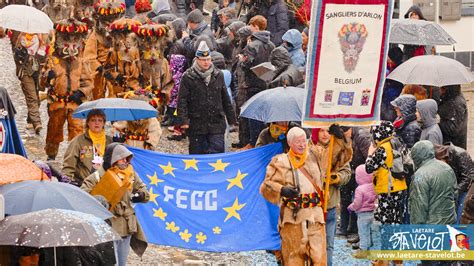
402 162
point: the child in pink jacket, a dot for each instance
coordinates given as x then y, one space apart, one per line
364 205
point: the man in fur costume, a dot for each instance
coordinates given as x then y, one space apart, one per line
156 71
126 56
62 75
144 133
62 9
98 54
294 182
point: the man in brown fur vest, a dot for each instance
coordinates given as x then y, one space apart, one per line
294 182
98 54
63 75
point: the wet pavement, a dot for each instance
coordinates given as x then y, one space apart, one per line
159 255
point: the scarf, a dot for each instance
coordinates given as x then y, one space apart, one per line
126 175
98 141
276 131
204 74
297 160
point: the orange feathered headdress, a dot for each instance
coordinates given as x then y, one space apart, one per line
109 10
71 26
125 25
152 31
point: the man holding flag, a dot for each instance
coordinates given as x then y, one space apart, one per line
293 181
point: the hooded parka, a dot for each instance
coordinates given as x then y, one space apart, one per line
295 40
124 221
433 188
409 131
430 130
286 73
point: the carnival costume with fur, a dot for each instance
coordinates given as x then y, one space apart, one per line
99 58
63 75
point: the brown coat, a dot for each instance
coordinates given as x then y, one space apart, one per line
78 157
96 54
80 79
158 75
280 174
151 128
124 221
342 155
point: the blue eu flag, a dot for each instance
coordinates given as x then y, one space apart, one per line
208 202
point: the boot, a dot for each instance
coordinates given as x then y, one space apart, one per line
51 157
38 127
42 95
353 240
237 145
360 254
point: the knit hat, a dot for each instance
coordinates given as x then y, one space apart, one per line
227 11
195 16
218 60
382 131
142 6
203 50
244 33
235 26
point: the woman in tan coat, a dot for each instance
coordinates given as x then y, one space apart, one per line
293 181
117 162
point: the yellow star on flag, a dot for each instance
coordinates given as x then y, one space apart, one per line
201 238
219 165
185 235
153 196
232 211
160 213
192 163
154 180
216 230
237 181
168 169
172 227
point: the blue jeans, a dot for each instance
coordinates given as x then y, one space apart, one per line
364 224
330 233
122 248
460 205
376 236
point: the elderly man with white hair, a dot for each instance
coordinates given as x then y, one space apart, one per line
293 181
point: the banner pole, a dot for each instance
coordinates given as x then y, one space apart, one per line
328 175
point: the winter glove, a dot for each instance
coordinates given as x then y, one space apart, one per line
141 79
51 76
334 180
336 130
120 79
138 197
108 76
77 97
289 192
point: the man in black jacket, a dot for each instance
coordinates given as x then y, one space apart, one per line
256 52
452 111
204 104
463 167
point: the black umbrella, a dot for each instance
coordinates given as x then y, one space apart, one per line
34 195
